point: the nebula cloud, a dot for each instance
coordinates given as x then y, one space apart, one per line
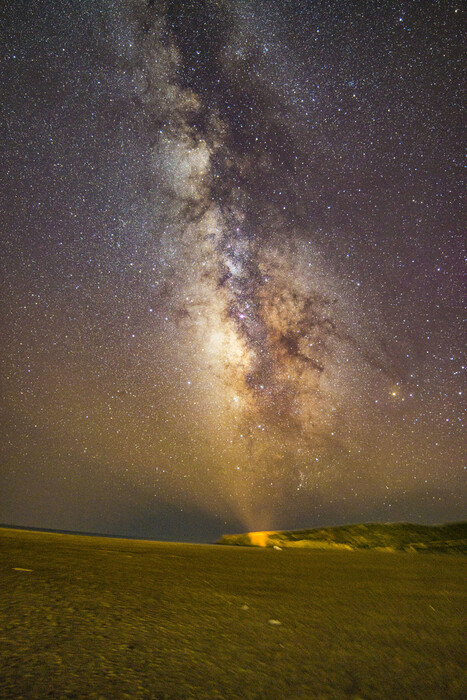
263 313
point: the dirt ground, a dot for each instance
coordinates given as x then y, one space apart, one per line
89 617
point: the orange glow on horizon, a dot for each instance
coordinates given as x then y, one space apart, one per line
259 539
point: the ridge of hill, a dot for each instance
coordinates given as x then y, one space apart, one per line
450 538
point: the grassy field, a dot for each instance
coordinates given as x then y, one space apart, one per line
404 537
88 617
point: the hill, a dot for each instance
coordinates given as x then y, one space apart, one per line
450 538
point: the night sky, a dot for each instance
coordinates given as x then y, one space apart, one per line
232 252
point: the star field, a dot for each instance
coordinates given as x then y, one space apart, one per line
233 265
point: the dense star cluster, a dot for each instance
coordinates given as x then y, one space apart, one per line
233 259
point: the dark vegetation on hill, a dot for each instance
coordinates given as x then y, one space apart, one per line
450 538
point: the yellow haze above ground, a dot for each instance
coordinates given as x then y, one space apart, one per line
260 539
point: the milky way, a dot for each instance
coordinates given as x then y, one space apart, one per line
233 245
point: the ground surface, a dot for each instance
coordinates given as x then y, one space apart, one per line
108 618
